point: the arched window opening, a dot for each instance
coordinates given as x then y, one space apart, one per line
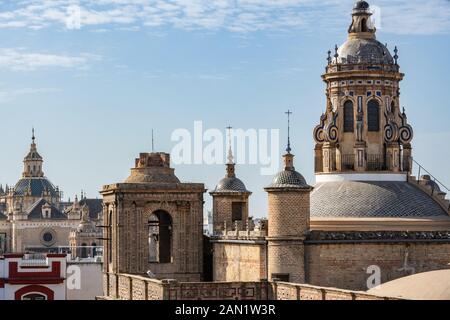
373 116
349 124
363 25
160 237
84 251
34 296
94 249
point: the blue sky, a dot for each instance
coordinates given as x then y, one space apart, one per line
94 93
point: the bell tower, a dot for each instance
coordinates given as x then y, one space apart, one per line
364 129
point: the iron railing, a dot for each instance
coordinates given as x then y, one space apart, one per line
347 162
376 162
435 182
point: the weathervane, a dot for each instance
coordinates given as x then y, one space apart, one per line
288 149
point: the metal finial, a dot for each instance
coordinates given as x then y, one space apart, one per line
288 149
153 142
329 57
230 151
32 136
396 55
336 54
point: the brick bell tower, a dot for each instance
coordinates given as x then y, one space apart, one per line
289 214
364 129
230 199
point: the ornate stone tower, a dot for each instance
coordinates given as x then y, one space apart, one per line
289 214
364 129
230 200
153 223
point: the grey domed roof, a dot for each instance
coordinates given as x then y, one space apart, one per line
289 179
368 51
374 199
361 5
37 186
231 184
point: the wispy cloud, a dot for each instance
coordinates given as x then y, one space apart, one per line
7 95
21 60
241 16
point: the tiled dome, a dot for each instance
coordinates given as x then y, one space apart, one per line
289 179
231 184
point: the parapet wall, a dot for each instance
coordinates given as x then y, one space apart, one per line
133 287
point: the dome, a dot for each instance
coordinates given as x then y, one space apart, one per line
372 199
35 186
289 179
361 5
364 51
434 285
230 184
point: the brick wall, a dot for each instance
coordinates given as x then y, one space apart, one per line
345 265
239 261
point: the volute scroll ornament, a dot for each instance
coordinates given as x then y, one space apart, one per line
391 130
327 130
406 132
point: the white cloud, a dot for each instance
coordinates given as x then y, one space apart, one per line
20 60
400 16
7 95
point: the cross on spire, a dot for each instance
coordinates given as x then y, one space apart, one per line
288 149
230 157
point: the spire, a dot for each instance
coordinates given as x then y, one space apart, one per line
230 163
288 148
32 136
288 157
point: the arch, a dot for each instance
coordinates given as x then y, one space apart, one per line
34 290
84 253
160 237
373 115
94 249
349 117
364 25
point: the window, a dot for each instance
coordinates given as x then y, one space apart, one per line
94 249
283 277
363 25
373 116
2 243
237 211
160 237
34 296
379 93
348 117
369 93
84 253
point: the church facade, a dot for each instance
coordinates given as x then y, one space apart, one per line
366 214
33 217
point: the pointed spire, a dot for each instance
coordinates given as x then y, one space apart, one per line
33 138
230 157
329 59
230 163
288 148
